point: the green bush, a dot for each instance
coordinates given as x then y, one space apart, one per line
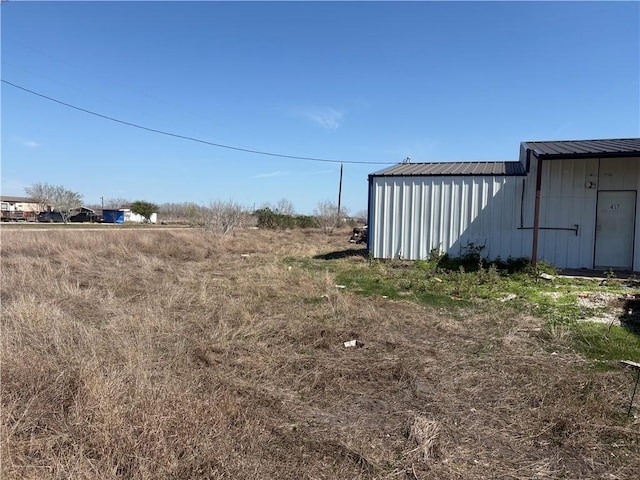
269 219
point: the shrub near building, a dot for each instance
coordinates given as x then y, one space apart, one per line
267 218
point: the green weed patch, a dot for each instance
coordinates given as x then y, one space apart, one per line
606 343
470 283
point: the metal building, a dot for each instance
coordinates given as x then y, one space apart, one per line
571 203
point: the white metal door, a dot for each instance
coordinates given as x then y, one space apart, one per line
615 227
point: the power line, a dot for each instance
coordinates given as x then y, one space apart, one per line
184 137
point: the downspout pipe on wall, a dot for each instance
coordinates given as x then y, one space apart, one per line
536 215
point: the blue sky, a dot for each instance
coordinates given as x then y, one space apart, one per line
346 81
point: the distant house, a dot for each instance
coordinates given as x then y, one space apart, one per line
121 215
18 208
571 203
129 216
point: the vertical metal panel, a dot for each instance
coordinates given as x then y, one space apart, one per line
566 201
411 215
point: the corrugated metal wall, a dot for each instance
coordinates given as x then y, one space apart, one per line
565 203
411 215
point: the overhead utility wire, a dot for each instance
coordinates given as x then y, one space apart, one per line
184 137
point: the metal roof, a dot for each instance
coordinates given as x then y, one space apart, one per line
12 199
452 168
620 147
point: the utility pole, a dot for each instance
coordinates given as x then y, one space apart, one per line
340 191
102 202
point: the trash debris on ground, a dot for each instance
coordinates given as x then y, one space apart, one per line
354 343
341 286
508 298
546 276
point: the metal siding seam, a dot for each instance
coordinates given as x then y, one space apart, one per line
432 214
408 235
398 189
445 211
377 220
377 216
464 207
386 215
397 219
425 217
418 227
426 213
391 220
415 219
435 220
455 210
383 217
496 210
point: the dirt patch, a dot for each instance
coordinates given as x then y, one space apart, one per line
610 306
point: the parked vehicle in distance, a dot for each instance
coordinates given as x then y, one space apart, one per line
50 217
86 216
359 235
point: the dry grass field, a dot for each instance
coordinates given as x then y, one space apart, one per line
160 354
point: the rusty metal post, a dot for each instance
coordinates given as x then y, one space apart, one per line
536 216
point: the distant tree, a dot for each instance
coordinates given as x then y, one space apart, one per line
285 207
65 201
194 214
328 216
186 212
146 209
222 217
55 197
362 215
116 202
42 193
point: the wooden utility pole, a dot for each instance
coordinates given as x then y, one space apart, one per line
340 191
536 216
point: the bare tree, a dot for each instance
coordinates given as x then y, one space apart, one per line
116 202
42 193
55 198
186 212
65 201
328 216
362 215
222 217
285 207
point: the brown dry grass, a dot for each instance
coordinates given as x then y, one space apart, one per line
149 354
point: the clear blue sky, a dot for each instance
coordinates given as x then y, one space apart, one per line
353 82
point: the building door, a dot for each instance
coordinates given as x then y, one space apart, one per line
615 226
